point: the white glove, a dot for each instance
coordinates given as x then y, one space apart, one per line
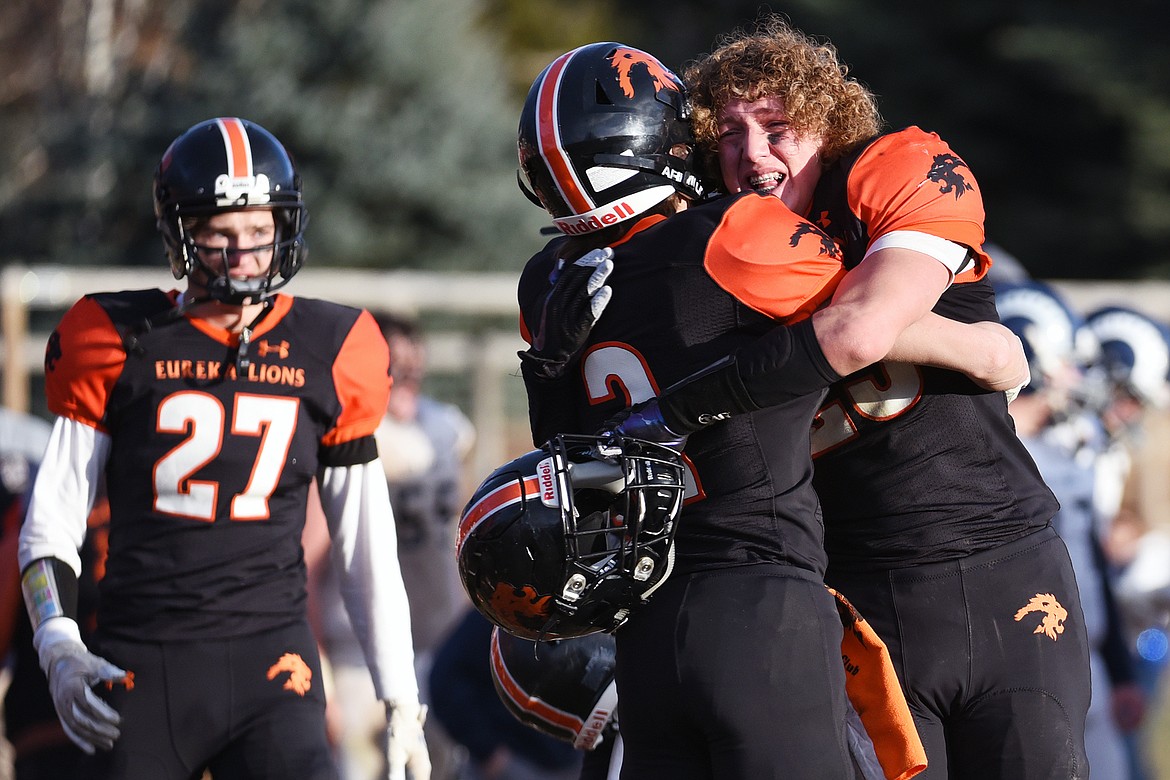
71 669
406 747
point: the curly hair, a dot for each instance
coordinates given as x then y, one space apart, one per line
777 60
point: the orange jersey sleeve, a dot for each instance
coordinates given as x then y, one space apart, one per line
772 260
912 180
83 360
361 374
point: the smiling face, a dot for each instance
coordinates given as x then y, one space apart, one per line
759 150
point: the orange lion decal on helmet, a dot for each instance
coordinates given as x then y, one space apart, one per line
522 603
624 60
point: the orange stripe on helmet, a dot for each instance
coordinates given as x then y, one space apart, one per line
239 151
499 498
549 137
530 704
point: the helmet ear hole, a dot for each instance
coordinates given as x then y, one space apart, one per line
602 96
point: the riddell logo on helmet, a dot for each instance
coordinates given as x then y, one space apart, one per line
241 190
547 478
576 226
592 729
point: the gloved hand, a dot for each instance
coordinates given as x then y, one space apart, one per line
406 747
574 303
72 671
643 421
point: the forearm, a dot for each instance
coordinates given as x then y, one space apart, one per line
988 353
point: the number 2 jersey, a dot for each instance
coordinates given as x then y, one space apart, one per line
914 464
688 290
209 463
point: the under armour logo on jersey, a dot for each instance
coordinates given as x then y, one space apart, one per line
300 676
624 60
828 247
1054 615
265 349
945 172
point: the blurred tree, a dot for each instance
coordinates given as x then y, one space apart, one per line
398 112
402 114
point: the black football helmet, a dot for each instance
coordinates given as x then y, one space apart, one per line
566 540
596 134
563 688
229 164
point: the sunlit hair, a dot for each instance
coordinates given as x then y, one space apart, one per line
777 60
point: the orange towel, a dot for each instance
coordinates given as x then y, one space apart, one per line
873 689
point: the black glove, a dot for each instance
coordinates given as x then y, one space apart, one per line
574 303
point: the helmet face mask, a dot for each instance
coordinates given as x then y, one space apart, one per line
568 539
605 136
222 165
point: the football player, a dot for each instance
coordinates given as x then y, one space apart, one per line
937 522
207 412
732 668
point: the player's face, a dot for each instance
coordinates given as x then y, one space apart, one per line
241 240
758 150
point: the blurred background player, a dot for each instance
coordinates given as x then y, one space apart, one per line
1130 384
1053 423
208 413
464 700
423 444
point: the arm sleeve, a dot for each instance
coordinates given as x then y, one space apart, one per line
365 551
63 494
785 363
550 405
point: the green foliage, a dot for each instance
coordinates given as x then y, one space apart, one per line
397 111
402 114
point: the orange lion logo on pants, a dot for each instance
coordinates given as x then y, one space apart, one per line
300 676
1054 614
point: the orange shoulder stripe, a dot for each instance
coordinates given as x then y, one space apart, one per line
772 260
912 180
361 375
83 360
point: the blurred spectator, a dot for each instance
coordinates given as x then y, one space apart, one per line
1052 423
1131 383
423 443
40 749
464 700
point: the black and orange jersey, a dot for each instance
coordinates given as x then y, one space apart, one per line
687 291
917 465
210 464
